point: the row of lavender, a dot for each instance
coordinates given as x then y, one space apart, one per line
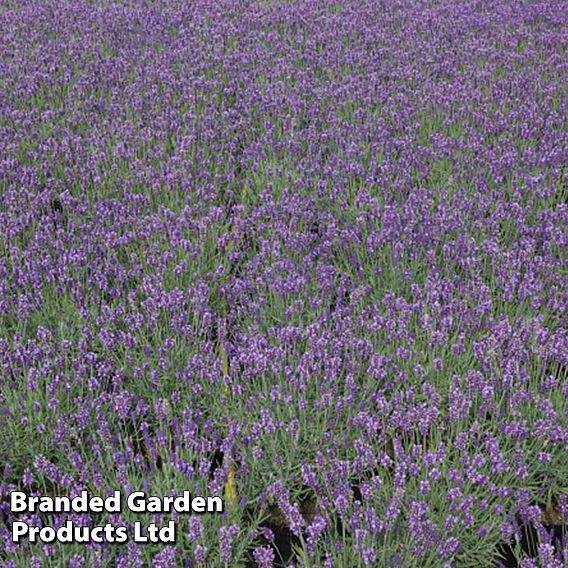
310 256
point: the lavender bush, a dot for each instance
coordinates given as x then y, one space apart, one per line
306 255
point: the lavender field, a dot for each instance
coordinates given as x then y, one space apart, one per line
306 255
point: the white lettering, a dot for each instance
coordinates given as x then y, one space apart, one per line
18 529
137 502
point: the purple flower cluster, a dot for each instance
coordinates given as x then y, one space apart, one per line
311 256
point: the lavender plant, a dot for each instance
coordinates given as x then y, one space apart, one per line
307 256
